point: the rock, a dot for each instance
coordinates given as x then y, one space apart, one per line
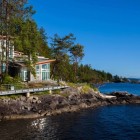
29 100
34 101
120 94
38 101
35 98
22 98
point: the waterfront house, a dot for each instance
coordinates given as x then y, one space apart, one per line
42 68
17 65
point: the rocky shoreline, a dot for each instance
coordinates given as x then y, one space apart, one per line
69 100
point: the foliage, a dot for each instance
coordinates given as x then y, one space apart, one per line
7 79
86 88
43 49
57 92
60 47
77 53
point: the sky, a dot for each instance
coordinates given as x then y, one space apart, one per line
109 30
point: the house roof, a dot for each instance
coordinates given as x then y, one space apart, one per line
46 61
22 64
41 59
4 37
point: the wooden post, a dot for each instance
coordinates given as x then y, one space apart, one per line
28 94
50 91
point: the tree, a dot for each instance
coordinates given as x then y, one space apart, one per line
60 47
28 41
77 53
43 48
116 79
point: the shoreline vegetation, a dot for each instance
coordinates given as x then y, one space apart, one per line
72 99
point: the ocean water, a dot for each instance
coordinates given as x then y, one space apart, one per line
115 122
111 87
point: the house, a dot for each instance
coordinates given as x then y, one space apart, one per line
17 65
42 68
10 51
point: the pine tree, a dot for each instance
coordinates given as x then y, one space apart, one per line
77 53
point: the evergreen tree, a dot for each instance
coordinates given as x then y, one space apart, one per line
43 48
27 41
60 47
77 53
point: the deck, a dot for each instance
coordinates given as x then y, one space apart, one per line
31 90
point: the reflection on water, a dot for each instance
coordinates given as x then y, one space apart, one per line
39 124
103 123
45 127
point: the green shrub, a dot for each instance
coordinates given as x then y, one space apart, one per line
7 79
58 91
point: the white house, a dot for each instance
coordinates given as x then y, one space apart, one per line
42 69
18 67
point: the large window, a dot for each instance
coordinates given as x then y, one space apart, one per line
45 71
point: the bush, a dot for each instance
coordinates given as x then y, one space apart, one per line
7 79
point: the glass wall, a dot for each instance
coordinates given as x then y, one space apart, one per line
45 71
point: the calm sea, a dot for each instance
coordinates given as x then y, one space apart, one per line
111 87
120 122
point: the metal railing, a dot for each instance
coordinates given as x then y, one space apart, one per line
11 90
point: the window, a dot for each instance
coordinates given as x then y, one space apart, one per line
44 76
48 66
45 71
44 66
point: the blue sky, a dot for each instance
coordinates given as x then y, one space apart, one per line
109 30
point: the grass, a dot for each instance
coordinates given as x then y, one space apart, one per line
58 91
14 96
42 93
86 88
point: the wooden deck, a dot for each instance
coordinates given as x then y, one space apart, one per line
31 90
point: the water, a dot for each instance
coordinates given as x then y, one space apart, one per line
111 87
120 122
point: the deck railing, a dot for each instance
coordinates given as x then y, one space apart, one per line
11 90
